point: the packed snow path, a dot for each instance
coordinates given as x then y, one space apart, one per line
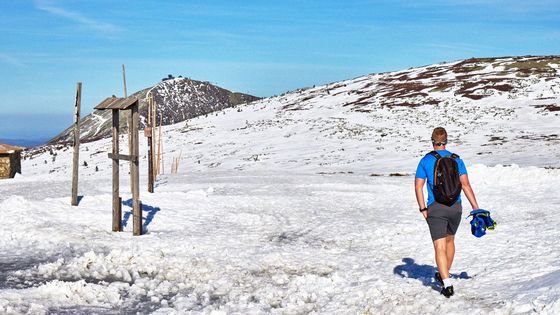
254 243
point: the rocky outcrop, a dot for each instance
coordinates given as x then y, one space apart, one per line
177 99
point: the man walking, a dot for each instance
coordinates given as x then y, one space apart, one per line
447 176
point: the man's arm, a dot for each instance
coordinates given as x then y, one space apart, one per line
467 189
418 188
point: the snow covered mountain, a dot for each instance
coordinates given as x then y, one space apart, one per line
497 111
274 211
177 99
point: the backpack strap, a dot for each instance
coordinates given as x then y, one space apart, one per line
435 154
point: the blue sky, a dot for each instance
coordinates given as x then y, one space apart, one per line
258 47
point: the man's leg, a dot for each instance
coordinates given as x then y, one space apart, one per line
440 247
450 250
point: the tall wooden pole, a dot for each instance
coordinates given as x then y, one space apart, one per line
76 157
150 148
130 120
124 80
154 117
117 205
129 123
160 153
137 207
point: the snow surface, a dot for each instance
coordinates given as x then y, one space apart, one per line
275 210
255 242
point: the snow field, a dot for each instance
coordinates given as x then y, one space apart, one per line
254 243
274 211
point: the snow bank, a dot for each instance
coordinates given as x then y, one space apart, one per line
514 175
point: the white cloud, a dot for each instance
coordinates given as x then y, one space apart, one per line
98 26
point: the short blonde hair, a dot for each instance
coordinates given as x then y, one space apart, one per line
439 135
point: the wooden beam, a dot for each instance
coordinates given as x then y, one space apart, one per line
117 205
137 207
117 103
122 157
76 155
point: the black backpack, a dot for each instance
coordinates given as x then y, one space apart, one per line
447 185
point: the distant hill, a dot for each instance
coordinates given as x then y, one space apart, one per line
177 99
496 110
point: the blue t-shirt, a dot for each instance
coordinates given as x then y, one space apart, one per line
425 170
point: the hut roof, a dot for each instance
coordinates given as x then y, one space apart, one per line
117 103
6 148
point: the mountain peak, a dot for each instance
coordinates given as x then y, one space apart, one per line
177 99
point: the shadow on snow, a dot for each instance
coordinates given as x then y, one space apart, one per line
424 273
145 208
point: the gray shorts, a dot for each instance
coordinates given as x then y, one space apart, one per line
444 220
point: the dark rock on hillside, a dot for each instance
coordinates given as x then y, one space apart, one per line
473 79
177 100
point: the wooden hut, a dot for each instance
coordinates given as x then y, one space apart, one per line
10 160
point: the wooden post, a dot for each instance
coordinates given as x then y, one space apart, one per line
177 161
130 123
160 152
76 157
124 80
154 116
131 148
148 135
117 204
150 166
137 207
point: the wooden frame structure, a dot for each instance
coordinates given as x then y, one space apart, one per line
116 105
76 154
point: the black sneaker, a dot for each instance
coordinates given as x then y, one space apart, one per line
438 278
448 291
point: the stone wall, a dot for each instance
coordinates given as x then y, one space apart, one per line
5 168
10 164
